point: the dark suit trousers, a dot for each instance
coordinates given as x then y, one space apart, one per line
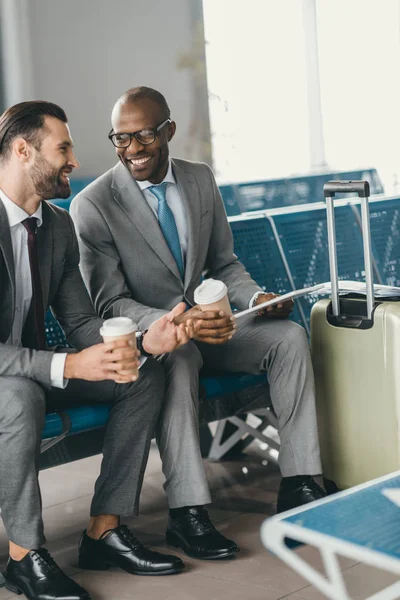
131 424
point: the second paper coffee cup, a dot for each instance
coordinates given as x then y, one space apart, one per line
120 328
212 294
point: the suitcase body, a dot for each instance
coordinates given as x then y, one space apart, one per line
356 362
357 378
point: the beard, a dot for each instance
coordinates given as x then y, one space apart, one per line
47 180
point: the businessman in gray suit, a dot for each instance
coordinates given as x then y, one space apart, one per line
148 230
39 260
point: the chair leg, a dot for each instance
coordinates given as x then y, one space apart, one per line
221 445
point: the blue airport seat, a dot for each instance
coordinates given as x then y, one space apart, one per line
256 248
385 234
278 193
77 185
223 396
262 195
303 236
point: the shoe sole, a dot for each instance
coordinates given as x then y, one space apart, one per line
174 542
12 587
105 566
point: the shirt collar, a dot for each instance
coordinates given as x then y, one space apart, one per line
16 214
169 178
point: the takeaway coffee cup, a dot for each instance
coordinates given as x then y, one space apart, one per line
212 294
120 328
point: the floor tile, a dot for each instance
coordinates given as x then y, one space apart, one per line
186 586
244 494
361 580
254 564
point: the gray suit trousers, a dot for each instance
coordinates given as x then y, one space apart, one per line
277 347
131 424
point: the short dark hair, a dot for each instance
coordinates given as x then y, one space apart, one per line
26 120
145 93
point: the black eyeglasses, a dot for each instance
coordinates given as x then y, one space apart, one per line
145 136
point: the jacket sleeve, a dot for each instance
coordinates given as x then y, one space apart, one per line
72 305
101 267
22 362
221 262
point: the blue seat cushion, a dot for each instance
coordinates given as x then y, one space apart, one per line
85 418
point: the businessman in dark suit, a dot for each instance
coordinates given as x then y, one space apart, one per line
169 213
39 260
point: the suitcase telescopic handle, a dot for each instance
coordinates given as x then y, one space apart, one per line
346 187
362 189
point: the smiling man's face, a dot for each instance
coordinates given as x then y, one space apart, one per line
146 162
53 163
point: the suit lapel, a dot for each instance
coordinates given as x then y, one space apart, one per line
45 246
130 198
191 198
7 252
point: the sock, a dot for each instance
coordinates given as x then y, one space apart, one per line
295 480
179 512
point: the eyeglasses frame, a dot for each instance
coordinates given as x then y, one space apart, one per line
155 131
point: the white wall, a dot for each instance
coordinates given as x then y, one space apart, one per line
82 54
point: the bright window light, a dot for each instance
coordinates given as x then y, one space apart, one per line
257 87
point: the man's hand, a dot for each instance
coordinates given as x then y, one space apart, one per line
211 327
104 361
278 311
165 335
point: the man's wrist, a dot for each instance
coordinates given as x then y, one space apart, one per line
140 341
69 368
254 298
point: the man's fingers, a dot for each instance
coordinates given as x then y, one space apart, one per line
120 354
179 309
110 346
122 366
219 323
214 333
210 314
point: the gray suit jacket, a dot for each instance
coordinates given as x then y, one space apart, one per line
63 290
125 261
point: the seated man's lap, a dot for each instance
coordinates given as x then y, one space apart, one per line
21 398
254 338
79 392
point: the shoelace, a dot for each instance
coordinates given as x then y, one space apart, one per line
45 560
313 488
201 518
129 537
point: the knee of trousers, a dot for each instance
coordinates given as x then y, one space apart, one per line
184 362
151 382
293 340
22 408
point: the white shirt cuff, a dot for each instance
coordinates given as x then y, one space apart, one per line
254 296
142 361
57 371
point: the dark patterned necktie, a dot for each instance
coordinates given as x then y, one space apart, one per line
37 296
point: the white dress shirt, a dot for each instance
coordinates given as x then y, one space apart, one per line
175 202
23 282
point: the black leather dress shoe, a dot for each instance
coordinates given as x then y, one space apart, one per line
291 495
193 531
119 548
39 578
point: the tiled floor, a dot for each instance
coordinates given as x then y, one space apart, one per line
244 494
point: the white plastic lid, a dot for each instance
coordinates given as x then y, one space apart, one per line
118 326
210 291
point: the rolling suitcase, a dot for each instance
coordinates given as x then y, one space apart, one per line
355 347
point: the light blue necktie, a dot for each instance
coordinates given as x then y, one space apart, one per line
167 223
